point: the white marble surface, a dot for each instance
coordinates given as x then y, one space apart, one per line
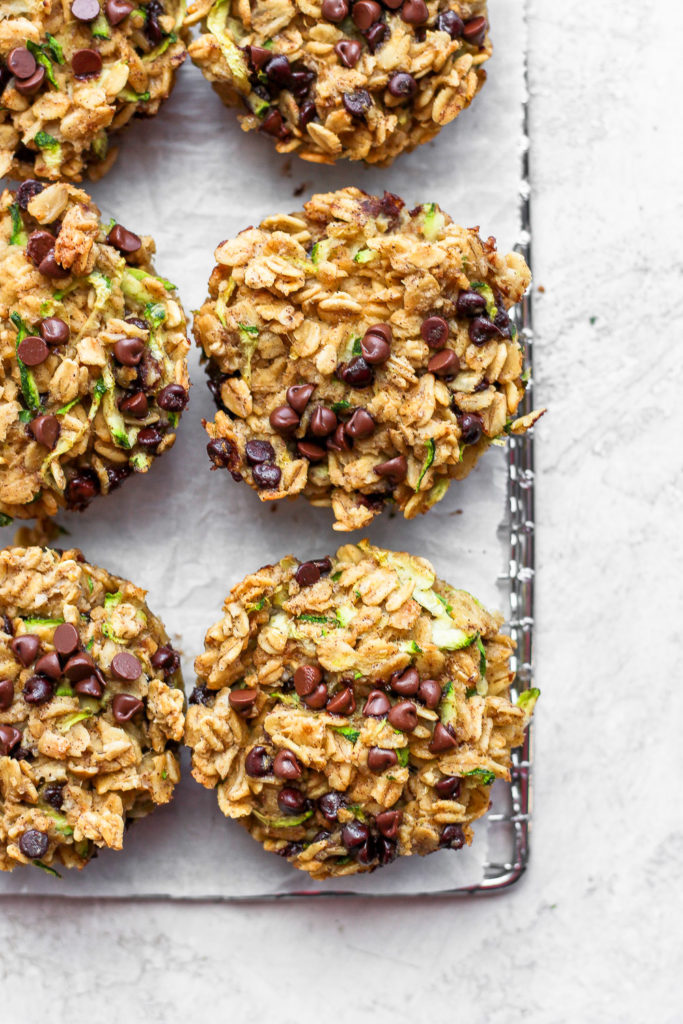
592 933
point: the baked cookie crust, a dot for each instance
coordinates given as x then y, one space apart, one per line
361 352
93 346
343 78
353 709
91 709
72 72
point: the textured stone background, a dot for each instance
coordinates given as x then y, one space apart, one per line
592 933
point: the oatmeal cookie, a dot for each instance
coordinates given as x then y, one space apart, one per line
91 708
359 351
343 78
93 372
74 71
353 709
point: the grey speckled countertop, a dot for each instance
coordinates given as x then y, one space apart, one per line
592 933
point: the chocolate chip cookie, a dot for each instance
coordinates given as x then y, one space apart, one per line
361 352
72 72
91 709
353 709
93 373
344 78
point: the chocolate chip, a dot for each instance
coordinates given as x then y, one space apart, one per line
21 62
33 844
27 190
135 405
150 438
403 716
343 703
388 822
402 85
452 837
85 64
25 648
348 51
286 766
377 705
166 659
414 12
6 694
152 27
266 478
306 679
39 244
385 850
365 13
91 686
290 800
79 666
242 701
45 430
284 420
83 487
10 738
406 684
380 759
324 565
85 10
257 763
201 695
65 639
448 788
128 351
444 364
471 427
429 693
307 113
53 794
54 331
339 442
125 666
258 56
435 331
470 303
117 11
49 665
474 31
135 321
449 21
375 348
274 125
258 452
30 86
307 574
32 350
354 834
360 425
357 373
122 239
124 706
172 398
310 451
323 421
357 103
334 10
394 469
38 690
443 739
329 805
482 330
50 268
376 34
279 71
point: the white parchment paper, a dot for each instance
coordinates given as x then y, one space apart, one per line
192 178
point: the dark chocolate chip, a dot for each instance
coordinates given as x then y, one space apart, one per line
324 565
124 706
357 373
117 11
343 703
150 438
274 125
414 12
258 56
394 469
310 451
91 686
54 331
406 684
452 837
85 10
257 763
360 425
388 822
32 350
172 398
429 693
10 738
79 666
33 844
375 348
474 31
49 665
334 10
354 834
50 268
450 22
122 239
471 427
38 690
258 452
376 35
435 331
377 705
45 429
25 648
365 13
306 679
402 85
152 27
21 62
242 701
470 303
266 477
380 759
201 695
339 442
317 699
279 71
448 788
357 103
307 113
284 420
443 739
482 330
82 488
135 405
291 800
329 805
30 86
125 666
27 190
65 639
6 694
403 716
323 422
39 244
444 364
307 574
286 766
166 659
53 794
85 64
348 51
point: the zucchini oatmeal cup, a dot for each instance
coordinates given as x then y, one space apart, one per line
93 346
354 709
359 353
72 72
327 79
91 709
